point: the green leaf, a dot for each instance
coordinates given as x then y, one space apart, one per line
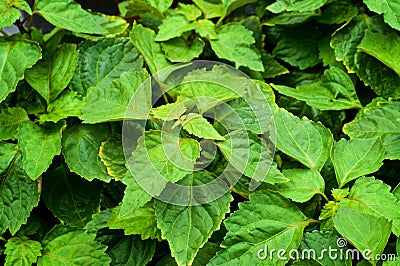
133 8
112 155
141 221
8 14
303 184
39 145
71 246
340 194
299 46
371 196
173 26
338 12
231 5
389 8
363 231
50 76
18 196
68 104
302 139
119 100
334 91
191 12
187 228
378 119
234 43
144 41
295 5
11 120
134 196
69 197
131 250
273 222
114 25
385 48
206 29
21 251
15 58
7 154
210 9
68 14
355 158
197 125
169 112
291 18
95 67
177 50
80 145
384 81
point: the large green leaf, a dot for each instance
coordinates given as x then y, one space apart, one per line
295 5
80 146
18 195
303 184
133 251
371 196
355 158
144 41
68 104
197 125
65 245
389 8
268 221
383 80
173 26
69 197
39 145
334 91
11 119
102 61
380 118
384 47
68 14
187 228
21 251
119 100
15 58
302 139
363 231
52 75
234 43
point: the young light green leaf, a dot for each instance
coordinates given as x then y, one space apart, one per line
169 112
340 194
303 184
39 145
125 58
274 223
50 76
144 41
363 231
302 139
380 118
177 50
384 47
173 26
197 125
15 58
334 91
141 221
371 196
18 196
11 119
22 251
171 219
355 158
68 14
119 100
295 5
390 10
68 104
210 9
206 29
80 146
112 155
191 12
69 197
72 246
8 14
131 250
114 25
234 44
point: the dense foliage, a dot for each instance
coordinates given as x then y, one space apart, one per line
329 70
